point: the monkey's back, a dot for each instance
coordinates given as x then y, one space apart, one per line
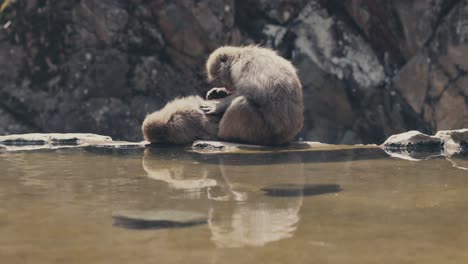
272 97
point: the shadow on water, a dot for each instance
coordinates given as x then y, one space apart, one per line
139 224
287 190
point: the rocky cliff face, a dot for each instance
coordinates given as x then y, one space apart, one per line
370 68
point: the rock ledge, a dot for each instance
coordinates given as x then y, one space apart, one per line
446 142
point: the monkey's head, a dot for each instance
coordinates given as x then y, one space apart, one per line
155 129
218 66
182 127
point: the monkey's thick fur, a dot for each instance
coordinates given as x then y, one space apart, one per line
265 106
181 121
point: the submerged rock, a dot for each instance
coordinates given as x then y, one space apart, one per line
158 219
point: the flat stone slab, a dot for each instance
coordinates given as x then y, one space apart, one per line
117 145
38 141
53 139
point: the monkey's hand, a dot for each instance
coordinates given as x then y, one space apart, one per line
217 93
209 109
217 107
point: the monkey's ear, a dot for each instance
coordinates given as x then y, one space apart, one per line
223 58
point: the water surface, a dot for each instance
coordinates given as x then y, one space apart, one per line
166 205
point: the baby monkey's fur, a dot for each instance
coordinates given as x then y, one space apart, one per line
181 121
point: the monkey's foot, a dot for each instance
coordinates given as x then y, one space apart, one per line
217 93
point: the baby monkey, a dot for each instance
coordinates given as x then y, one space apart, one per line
181 121
264 103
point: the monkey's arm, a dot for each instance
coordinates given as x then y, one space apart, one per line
217 108
255 93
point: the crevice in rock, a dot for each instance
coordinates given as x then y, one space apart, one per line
441 18
451 80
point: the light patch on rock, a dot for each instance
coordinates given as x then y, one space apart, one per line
453 140
53 138
411 137
274 33
316 38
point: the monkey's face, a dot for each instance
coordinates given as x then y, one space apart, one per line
218 66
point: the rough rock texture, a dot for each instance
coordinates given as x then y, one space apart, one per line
370 69
447 141
413 140
454 140
48 141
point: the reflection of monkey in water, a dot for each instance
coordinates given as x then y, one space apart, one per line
181 121
265 105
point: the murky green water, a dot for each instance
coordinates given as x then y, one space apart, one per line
171 206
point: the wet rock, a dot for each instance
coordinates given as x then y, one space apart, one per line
287 190
118 145
206 146
414 145
158 219
454 140
413 141
53 139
